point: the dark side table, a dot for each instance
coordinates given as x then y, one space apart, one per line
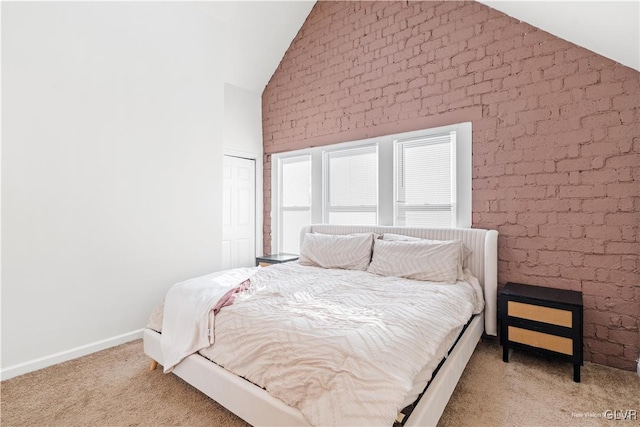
267 260
542 320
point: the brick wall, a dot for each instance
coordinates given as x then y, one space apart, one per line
556 136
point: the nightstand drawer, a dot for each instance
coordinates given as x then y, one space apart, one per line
541 340
539 313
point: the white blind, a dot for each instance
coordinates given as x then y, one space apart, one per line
296 181
425 181
295 201
351 177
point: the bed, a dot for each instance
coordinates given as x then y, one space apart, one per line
258 407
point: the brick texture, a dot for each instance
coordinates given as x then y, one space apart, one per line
556 136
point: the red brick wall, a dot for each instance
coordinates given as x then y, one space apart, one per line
556 145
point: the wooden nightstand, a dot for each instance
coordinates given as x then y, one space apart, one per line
267 260
544 320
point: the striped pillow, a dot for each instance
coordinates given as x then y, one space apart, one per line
419 260
464 254
350 252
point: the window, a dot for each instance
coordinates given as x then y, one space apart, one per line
295 201
416 179
351 180
426 181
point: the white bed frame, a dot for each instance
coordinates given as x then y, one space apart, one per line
257 407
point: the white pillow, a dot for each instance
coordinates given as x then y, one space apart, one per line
399 237
464 254
350 252
419 260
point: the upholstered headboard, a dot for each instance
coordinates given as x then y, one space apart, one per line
483 261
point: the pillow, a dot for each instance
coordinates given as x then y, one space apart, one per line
350 252
419 260
464 255
399 237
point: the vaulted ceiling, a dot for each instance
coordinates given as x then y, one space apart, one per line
258 33
610 28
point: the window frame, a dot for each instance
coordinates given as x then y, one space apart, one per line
387 175
276 225
452 207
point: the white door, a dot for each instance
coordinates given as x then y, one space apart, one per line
239 211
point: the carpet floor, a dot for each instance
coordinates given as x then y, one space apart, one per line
114 388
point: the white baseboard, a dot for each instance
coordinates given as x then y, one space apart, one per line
63 356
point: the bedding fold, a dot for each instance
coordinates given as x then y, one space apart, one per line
187 324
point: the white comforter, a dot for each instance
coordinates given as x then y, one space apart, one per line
342 346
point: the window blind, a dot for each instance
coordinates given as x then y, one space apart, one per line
425 181
351 186
295 201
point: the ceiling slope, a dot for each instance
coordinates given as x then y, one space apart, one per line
609 28
260 32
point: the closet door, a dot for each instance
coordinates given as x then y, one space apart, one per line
238 228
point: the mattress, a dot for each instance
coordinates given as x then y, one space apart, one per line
347 333
420 381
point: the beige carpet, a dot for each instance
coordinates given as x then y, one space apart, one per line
114 388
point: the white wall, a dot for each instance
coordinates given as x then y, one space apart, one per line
243 119
243 138
111 167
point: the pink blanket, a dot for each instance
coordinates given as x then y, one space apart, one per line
228 298
189 309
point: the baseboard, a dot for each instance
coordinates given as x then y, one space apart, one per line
63 356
